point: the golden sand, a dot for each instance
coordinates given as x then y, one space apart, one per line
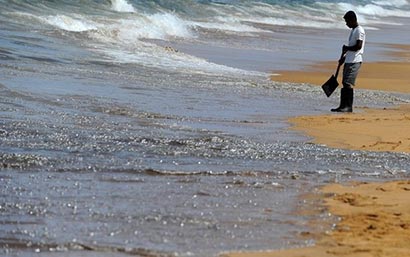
372 129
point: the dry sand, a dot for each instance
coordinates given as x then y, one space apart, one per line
374 217
375 221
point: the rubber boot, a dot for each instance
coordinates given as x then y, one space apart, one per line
347 98
342 101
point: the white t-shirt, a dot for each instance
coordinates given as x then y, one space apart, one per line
356 56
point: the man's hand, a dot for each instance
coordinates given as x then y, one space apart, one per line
345 49
342 60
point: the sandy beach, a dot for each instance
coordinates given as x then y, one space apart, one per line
369 129
374 217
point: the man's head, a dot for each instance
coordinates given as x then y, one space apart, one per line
351 19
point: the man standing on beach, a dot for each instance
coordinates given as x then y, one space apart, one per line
352 57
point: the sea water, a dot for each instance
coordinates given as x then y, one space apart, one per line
152 127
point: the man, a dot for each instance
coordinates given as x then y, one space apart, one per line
352 57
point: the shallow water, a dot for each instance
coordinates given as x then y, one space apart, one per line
183 169
181 151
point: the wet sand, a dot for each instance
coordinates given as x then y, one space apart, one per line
391 75
374 221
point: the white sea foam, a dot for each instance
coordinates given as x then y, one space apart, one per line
371 10
155 26
122 6
241 20
121 41
298 22
162 25
63 22
379 11
151 55
227 25
69 24
394 3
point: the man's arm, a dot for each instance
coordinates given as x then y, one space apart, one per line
356 47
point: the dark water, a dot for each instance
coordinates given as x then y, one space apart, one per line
162 143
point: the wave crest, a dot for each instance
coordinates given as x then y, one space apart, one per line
122 6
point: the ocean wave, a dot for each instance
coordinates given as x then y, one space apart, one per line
162 19
393 3
124 30
68 23
122 6
375 11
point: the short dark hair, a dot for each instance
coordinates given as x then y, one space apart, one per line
350 15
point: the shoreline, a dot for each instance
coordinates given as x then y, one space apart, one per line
374 221
384 76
